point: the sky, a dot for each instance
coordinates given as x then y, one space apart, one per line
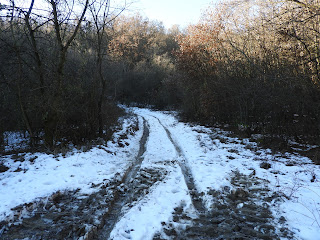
171 12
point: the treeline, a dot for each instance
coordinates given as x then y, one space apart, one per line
63 67
143 52
250 64
256 65
54 71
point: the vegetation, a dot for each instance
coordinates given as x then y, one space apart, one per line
53 70
255 64
252 64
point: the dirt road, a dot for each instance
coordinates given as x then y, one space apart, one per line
175 188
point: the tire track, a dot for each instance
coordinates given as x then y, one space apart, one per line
65 216
121 197
187 174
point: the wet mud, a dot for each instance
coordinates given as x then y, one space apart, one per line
237 214
242 211
186 171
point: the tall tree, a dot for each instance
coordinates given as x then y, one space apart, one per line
63 40
102 17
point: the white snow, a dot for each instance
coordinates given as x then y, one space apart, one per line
144 219
212 161
48 174
211 155
15 140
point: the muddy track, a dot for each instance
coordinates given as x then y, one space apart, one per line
123 196
68 215
187 174
239 214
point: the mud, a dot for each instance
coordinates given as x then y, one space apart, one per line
65 215
115 212
135 190
241 213
195 195
71 215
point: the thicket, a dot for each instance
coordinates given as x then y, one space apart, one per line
54 71
143 54
250 64
256 65
64 67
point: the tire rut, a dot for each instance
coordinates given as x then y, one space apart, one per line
121 197
187 174
243 212
69 215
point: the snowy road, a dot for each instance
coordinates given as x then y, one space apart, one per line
167 180
206 172
175 189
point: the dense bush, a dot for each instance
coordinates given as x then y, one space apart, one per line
251 64
254 64
53 71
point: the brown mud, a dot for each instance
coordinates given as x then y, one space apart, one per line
241 213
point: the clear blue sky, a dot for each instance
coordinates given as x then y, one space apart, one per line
170 12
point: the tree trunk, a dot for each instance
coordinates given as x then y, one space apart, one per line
55 111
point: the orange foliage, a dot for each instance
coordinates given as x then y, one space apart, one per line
199 47
133 38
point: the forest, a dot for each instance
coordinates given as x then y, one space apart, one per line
250 65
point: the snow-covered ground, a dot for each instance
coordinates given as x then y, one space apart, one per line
144 219
209 154
212 161
34 176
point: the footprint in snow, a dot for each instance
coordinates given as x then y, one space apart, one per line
47 183
176 190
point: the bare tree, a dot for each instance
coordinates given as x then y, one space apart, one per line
54 113
16 80
102 16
